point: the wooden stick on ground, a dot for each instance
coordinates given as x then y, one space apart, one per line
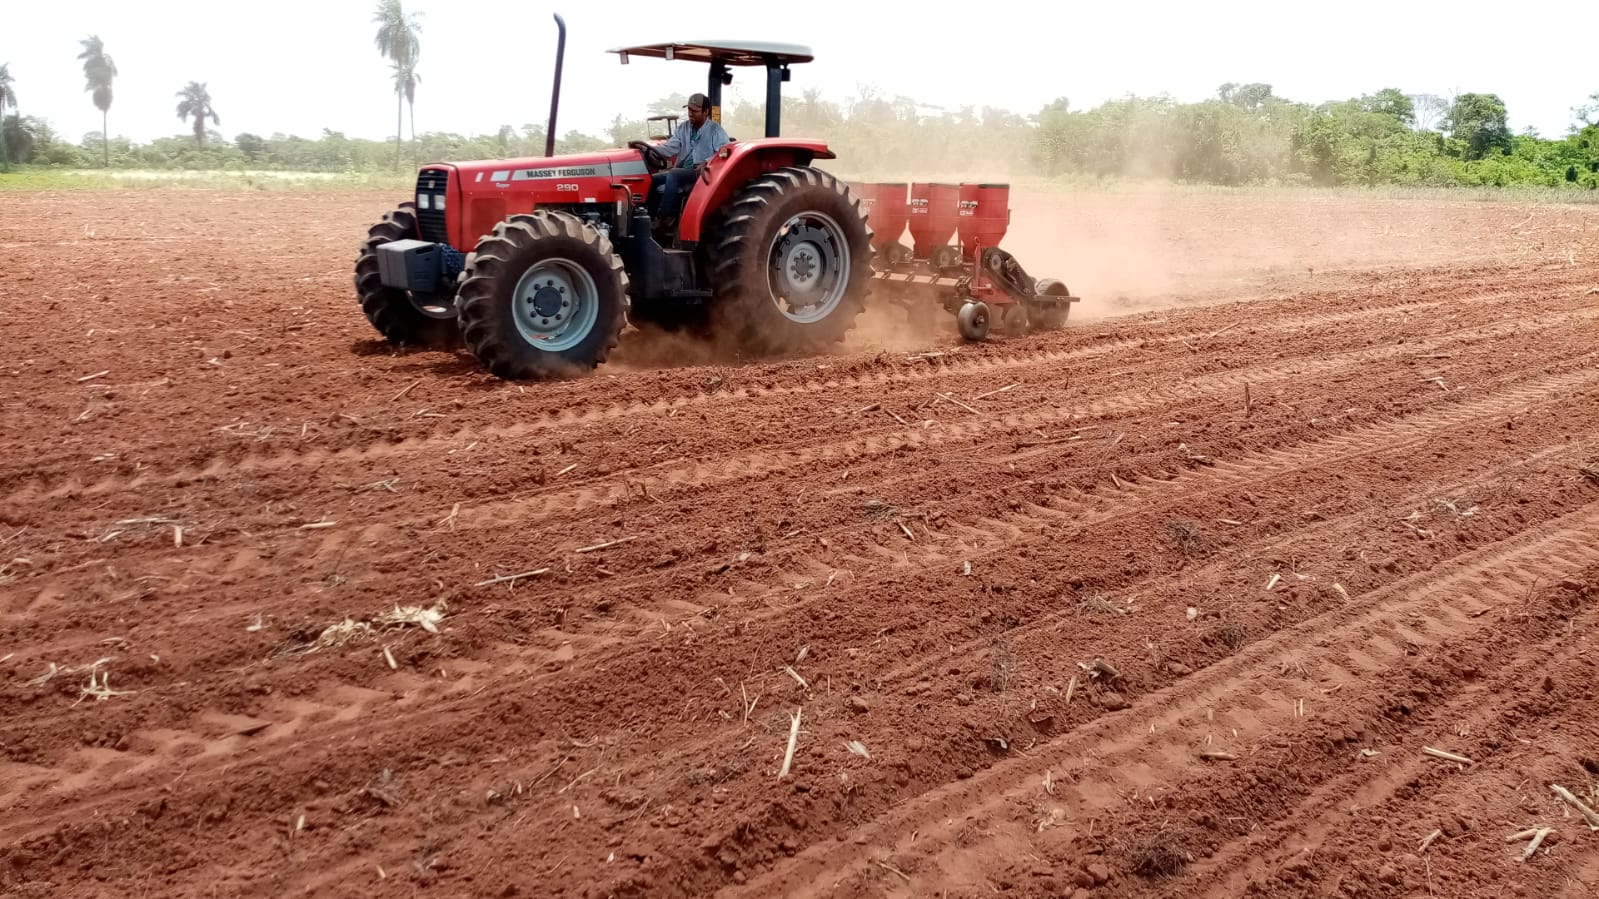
1589 814
992 392
893 870
450 518
959 403
1450 756
796 675
408 388
749 704
599 546
1428 841
793 739
512 578
1537 840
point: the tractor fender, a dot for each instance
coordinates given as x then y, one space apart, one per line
735 164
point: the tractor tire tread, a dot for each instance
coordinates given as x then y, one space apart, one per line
740 305
494 261
388 309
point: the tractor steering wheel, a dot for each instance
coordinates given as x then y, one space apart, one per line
653 160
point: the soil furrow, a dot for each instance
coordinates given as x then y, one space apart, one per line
1510 401
932 838
156 469
1318 480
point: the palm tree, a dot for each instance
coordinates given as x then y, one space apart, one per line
8 97
397 39
196 101
405 81
99 70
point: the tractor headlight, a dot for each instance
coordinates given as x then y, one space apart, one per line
421 201
438 202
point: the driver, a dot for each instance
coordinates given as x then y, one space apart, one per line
695 141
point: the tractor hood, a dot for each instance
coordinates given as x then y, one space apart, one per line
600 164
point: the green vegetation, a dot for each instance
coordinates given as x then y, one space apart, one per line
1245 135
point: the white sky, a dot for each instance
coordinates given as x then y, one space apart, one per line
297 66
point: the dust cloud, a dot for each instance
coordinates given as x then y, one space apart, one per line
1134 247
1127 246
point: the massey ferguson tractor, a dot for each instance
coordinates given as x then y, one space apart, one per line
538 264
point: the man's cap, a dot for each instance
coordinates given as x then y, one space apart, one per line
697 101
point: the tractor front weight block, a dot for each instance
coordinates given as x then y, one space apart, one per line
416 265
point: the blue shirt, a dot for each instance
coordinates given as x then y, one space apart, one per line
690 148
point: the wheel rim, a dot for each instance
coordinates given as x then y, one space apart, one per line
973 319
555 305
809 267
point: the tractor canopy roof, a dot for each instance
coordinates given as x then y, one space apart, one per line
732 53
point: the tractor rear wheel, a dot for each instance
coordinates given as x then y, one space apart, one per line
392 311
789 262
543 296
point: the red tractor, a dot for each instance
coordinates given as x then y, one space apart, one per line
539 263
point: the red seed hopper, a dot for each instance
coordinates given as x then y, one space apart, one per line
971 277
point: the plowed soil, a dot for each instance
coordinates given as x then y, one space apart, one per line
1185 599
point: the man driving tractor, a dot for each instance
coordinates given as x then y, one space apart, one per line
694 142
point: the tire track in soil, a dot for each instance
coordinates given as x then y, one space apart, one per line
1503 402
624 776
39 486
1352 783
1331 803
702 747
978 539
974 537
585 497
980 530
201 853
1213 580
688 751
1475 721
929 837
769 462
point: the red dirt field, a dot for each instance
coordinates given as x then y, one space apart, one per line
1172 602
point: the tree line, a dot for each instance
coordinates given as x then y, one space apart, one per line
31 140
1245 134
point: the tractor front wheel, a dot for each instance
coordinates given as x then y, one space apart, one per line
543 296
789 262
400 318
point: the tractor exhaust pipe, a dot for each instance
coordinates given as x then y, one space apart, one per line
555 93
